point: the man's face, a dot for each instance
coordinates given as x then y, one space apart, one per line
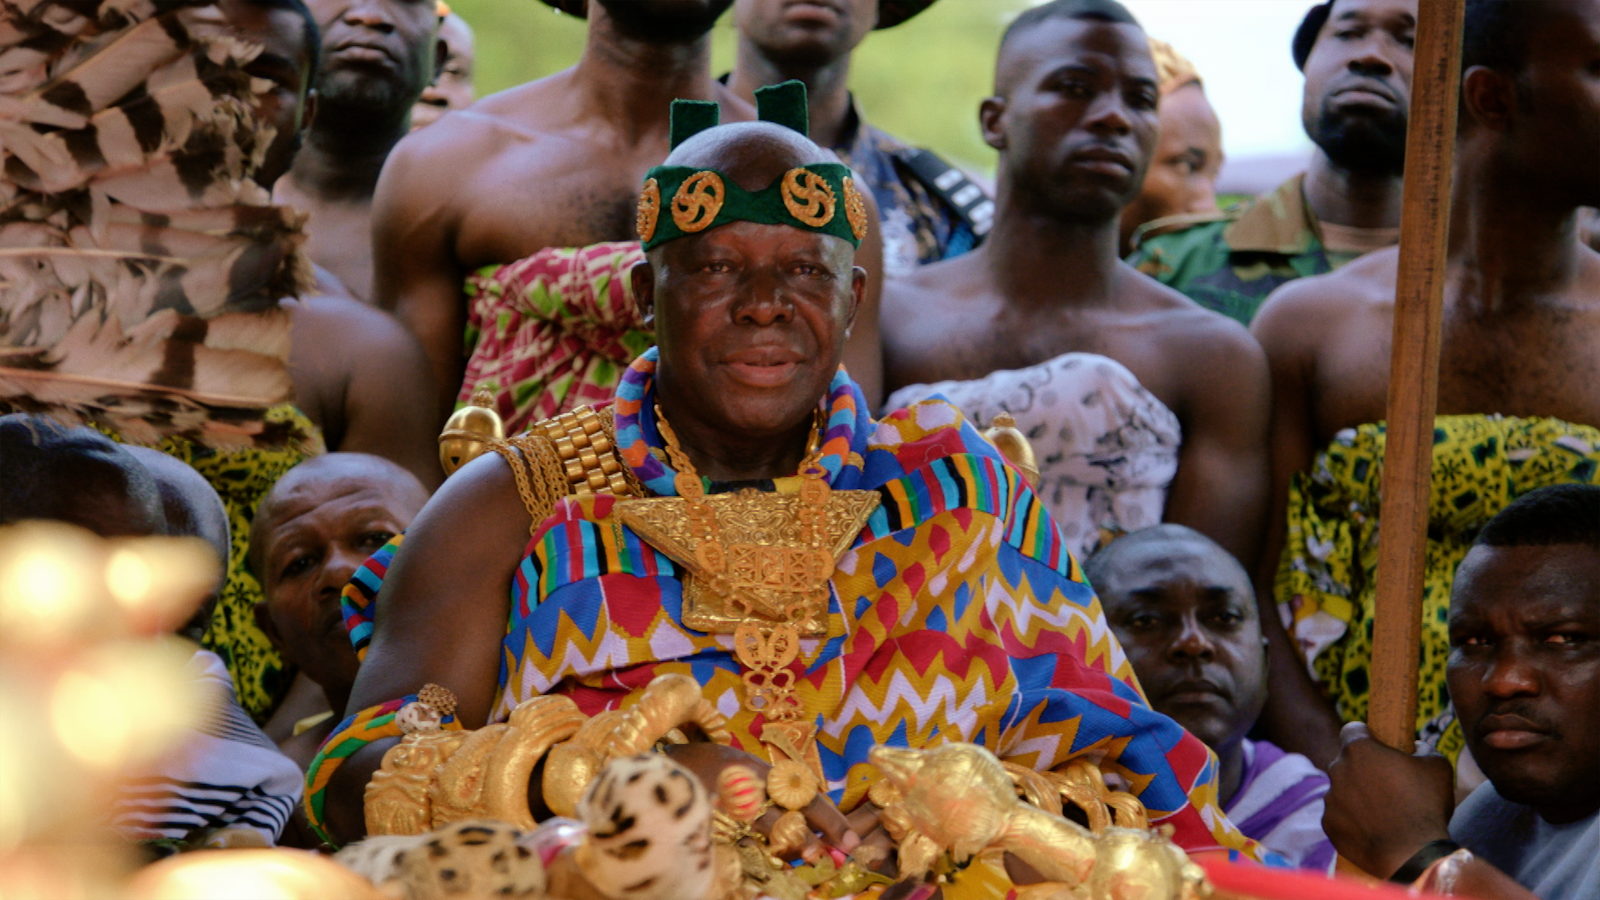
1183 173
314 538
452 88
1076 121
1186 616
664 21
285 62
805 32
1556 130
1358 84
377 55
1524 671
751 321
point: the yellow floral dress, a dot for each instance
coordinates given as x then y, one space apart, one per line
1326 576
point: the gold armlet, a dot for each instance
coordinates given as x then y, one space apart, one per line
536 726
669 702
396 799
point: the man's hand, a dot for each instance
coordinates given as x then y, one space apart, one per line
707 761
1383 805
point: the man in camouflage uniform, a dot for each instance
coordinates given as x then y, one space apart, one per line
1356 55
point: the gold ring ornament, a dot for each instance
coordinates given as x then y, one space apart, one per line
649 210
697 202
855 209
808 197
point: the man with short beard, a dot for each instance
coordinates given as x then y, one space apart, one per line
1356 55
1518 379
377 58
512 223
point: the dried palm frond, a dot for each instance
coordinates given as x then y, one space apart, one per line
141 268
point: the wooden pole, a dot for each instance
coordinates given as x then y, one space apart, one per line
1414 372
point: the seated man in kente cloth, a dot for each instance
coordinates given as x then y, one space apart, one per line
927 595
1519 379
510 225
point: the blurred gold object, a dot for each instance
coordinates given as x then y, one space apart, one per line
536 726
1014 446
470 431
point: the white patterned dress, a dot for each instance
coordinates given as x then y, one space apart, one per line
1107 448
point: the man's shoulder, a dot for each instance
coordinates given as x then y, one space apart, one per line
1364 282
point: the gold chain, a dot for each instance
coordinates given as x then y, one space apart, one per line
765 648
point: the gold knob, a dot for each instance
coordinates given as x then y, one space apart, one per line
1014 446
470 431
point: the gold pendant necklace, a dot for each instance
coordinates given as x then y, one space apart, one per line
769 584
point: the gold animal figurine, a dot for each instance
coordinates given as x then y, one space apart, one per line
961 800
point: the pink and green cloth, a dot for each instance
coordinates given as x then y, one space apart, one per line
553 331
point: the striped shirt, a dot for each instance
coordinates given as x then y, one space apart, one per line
226 774
1279 804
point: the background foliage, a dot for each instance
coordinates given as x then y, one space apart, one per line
920 82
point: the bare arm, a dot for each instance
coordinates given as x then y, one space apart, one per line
388 398
415 272
1297 716
1221 486
863 352
441 616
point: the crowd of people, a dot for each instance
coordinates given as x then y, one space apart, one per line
1184 588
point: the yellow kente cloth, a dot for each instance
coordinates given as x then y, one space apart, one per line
1327 574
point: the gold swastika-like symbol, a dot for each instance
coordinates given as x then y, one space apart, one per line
698 201
808 197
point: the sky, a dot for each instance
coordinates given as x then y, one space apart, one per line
1241 48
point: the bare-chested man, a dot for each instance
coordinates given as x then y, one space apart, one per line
377 58
1519 378
358 375
533 191
1142 406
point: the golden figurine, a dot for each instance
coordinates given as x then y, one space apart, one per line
470 431
1014 446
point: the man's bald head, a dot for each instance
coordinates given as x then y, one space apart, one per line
74 475
322 520
313 482
192 509
1183 609
753 154
191 505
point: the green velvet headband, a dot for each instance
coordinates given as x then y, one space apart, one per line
820 197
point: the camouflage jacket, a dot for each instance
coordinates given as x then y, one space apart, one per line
1231 261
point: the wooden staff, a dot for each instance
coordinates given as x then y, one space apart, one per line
1414 372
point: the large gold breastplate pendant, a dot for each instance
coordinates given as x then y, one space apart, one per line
762 578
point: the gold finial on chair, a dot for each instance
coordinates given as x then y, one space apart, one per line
1014 446
470 431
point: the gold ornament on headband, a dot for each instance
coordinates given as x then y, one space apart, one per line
855 209
649 209
698 201
808 197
